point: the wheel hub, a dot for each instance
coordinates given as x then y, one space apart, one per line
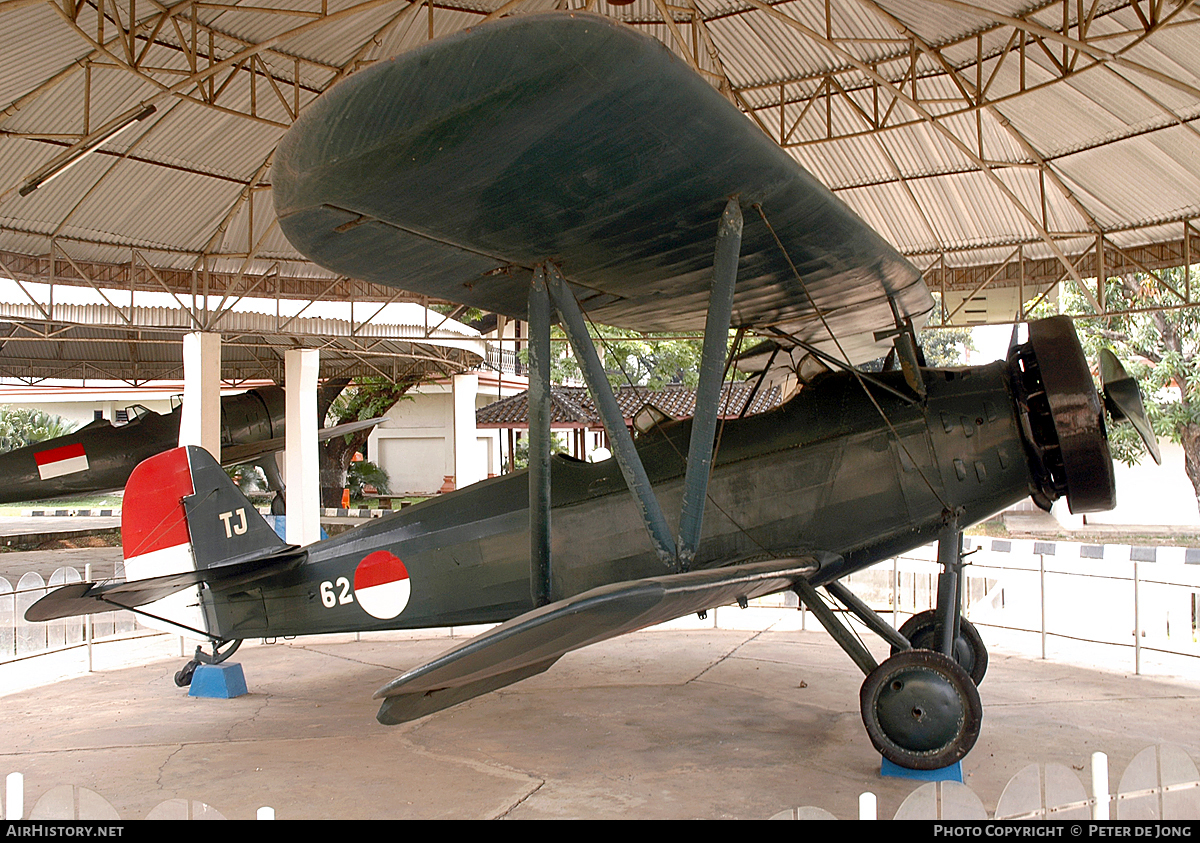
921 710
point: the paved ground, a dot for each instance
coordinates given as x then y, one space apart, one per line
660 724
681 723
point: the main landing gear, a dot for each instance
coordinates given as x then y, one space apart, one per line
924 632
183 677
921 707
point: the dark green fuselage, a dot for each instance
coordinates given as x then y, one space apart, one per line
823 473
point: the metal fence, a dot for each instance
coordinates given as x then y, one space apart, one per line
20 639
1044 604
1161 783
1044 601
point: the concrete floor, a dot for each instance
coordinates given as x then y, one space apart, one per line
679 723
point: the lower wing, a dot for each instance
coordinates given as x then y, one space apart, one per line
532 642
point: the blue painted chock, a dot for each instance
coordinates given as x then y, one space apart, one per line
218 681
953 773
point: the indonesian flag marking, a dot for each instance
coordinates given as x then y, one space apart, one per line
381 585
56 462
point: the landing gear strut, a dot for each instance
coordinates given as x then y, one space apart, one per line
921 707
183 677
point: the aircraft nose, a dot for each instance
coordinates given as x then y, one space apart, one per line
1062 419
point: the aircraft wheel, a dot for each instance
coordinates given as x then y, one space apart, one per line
925 633
183 677
921 710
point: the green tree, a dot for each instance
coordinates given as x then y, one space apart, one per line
358 400
21 426
944 347
633 358
1160 347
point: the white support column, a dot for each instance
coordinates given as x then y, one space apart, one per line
467 465
200 422
301 463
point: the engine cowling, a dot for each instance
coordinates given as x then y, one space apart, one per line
1062 419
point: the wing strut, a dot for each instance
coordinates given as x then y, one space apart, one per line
614 422
539 439
549 287
708 392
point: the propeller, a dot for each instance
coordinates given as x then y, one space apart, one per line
1124 400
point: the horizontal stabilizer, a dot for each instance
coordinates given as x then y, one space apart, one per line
530 643
88 598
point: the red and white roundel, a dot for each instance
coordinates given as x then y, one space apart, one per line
381 585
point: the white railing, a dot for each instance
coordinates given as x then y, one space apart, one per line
1034 602
1160 784
22 639
1041 603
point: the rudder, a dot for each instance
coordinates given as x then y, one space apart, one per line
183 513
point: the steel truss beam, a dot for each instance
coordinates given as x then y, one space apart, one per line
187 52
1034 278
142 274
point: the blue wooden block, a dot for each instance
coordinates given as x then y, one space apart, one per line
953 773
218 681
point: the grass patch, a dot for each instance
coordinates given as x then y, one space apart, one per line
90 501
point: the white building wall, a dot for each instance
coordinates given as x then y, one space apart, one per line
80 407
1147 494
415 442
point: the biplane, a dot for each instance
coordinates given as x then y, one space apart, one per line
558 168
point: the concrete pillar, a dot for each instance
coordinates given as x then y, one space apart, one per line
301 455
200 422
468 468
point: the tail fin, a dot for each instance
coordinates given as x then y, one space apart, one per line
183 524
182 513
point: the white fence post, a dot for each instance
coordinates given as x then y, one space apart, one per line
1042 597
88 630
1100 786
14 796
1137 626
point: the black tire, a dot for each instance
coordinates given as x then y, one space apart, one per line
925 633
921 710
183 677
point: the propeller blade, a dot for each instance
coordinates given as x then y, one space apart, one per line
1124 400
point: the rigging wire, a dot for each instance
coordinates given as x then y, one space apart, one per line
671 442
853 370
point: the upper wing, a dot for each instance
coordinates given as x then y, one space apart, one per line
454 169
531 643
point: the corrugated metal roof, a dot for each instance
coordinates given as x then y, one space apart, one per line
929 117
141 343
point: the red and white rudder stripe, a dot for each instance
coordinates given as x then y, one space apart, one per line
155 538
